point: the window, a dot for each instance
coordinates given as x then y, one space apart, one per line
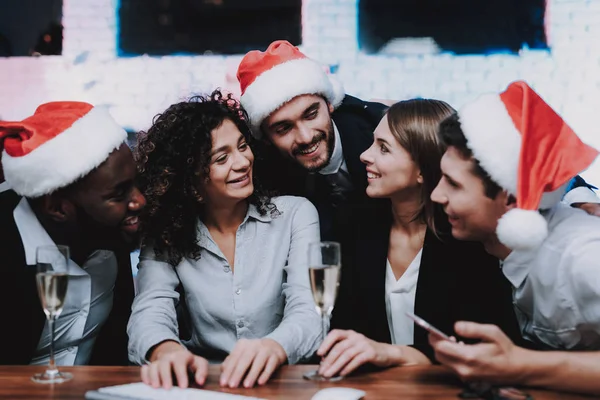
31 28
163 27
458 26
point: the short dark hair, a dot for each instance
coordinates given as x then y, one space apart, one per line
452 134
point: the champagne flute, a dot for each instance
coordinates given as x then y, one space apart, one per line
324 265
52 279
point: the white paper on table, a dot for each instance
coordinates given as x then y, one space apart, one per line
141 391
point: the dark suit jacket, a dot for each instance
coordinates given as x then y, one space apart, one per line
22 312
457 281
356 120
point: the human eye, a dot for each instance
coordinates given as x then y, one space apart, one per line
312 114
221 159
451 182
282 129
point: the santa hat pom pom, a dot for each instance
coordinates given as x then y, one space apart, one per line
520 229
338 91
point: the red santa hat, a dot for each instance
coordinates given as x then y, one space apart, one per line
60 143
270 79
526 148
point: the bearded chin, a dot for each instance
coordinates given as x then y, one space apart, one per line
330 140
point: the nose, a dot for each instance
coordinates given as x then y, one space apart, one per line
304 134
138 201
438 196
242 161
365 157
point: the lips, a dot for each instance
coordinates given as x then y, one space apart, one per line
240 179
312 148
372 175
452 220
309 150
131 224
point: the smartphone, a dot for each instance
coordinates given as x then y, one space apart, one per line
427 326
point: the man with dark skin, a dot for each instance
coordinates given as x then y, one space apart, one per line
72 180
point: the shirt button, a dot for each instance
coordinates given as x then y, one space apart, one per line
240 324
238 291
226 269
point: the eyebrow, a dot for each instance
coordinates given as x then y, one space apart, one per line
314 106
123 185
449 178
227 147
382 141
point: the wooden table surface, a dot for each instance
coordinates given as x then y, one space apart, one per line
287 383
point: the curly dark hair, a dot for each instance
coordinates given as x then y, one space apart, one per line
169 156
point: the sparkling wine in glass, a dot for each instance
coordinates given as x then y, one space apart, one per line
52 279
324 267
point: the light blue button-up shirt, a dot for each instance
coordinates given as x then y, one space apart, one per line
557 285
267 296
88 301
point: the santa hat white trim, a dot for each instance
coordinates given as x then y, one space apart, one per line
65 158
493 139
280 84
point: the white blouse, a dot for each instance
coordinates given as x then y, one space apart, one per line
400 298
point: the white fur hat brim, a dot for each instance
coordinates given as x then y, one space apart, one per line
493 138
64 159
282 83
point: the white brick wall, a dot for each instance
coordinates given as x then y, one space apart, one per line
136 88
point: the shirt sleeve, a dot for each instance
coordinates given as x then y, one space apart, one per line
581 194
300 330
153 316
584 285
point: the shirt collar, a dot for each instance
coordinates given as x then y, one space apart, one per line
337 157
255 214
31 230
204 239
33 235
4 186
516 266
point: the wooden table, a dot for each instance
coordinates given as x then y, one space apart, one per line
395 383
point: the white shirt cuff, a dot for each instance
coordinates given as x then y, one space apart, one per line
581 195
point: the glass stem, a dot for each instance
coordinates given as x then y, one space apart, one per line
324 323
52 365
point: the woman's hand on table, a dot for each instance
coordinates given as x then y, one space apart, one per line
171 358
345 350
254 361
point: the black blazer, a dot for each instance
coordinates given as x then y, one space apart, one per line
356 120
23 316
457 281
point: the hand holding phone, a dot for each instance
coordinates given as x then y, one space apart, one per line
427 326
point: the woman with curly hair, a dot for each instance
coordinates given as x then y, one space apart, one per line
238 256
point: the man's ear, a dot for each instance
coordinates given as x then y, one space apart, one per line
58 207
330 107
511 201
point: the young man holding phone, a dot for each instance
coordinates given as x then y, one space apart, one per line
509 160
